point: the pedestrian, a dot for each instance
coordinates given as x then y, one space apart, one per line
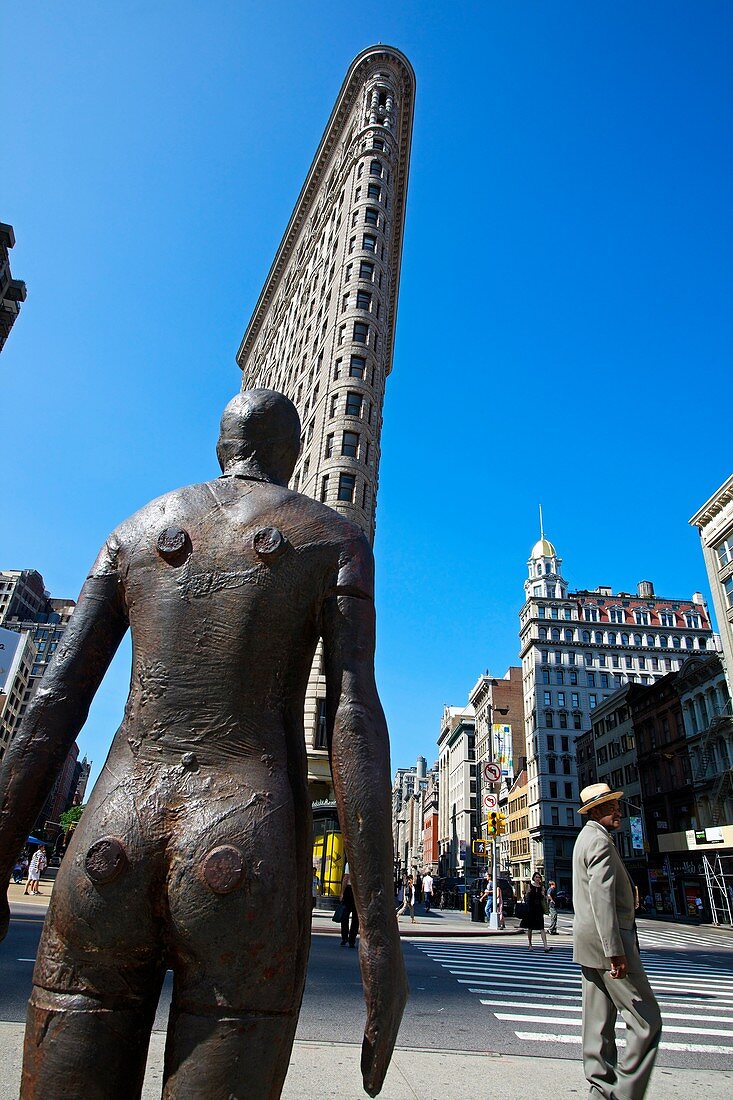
534 911
408 900
552 907
488 898
606 946
349 915
427 890
36 868
18 871
499 906
314 888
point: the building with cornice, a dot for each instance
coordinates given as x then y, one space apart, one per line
323 329
576 649
714 521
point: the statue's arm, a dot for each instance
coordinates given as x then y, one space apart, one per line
359 752
57 712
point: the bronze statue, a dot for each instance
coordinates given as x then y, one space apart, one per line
194 852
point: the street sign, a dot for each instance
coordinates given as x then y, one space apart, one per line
492 772
490 801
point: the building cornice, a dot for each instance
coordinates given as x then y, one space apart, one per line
722 498
359 72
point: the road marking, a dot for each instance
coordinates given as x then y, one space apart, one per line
675 1029
26 960
692 1048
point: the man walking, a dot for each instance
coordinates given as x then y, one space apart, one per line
606 946
427 890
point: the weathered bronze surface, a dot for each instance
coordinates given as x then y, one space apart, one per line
194 852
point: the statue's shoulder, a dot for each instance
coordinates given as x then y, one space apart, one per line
344 544
169 510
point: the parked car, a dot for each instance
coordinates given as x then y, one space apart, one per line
563 900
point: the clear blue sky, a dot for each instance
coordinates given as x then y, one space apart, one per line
564 332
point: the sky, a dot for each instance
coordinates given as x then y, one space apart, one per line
564 329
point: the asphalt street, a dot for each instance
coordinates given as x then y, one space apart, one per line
480 995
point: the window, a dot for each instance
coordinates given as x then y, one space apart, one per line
693 621
560 677
561 698
590 614
324 486
586 636
374 191
350 444
357 366
551 742
624 639
553 789
641 618
555 813
577 721
366 270
667 618
548 719
321 738
337 369
363 299
563 720
552 765
570 816
334 404
574 699
545 675
591 679
724 550
329 445
612 637
375 168
547 698
616 615
568 635
568 790
573 677
604 679
361 333
354 402
371 216
592 702
347 484
369 242
728 587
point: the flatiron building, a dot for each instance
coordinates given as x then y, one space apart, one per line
323 328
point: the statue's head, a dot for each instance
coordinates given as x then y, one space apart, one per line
259 436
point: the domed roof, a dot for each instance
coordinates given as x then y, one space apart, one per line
543 548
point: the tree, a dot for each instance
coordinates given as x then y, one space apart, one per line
70 818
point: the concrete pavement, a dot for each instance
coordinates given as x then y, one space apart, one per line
330 1071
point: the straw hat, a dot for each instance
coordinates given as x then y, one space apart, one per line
596 795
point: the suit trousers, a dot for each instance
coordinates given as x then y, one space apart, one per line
611 1076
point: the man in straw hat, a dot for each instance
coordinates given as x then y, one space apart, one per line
606 946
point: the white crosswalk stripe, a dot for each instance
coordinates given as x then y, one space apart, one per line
652 934
537 993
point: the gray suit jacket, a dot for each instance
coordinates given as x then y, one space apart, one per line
604 902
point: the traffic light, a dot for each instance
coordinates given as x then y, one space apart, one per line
493 823
500 824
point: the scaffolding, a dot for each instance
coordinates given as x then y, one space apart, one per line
719 882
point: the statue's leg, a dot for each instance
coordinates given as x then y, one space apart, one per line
240 932
100 963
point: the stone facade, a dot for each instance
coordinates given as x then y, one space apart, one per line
576 648
12 291
323 329
714 521
458 819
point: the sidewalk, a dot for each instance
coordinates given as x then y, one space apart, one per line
330 1071
446 922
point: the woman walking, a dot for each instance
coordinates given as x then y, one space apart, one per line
534 911
408 900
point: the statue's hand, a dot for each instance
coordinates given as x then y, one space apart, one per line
4 913
385 989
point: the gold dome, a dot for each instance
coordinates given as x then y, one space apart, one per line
543 548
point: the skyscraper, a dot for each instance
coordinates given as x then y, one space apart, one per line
323 329
577 648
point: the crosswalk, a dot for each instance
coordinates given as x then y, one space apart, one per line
537 995
654 935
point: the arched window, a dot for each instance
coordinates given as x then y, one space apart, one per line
548 567
612 637
568 635
555 634
598 638
650 639
539 570
663 641
702 643
543 633
637 639
676 643
689 643
624 639
586 636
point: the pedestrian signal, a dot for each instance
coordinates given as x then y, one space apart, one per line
480 848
